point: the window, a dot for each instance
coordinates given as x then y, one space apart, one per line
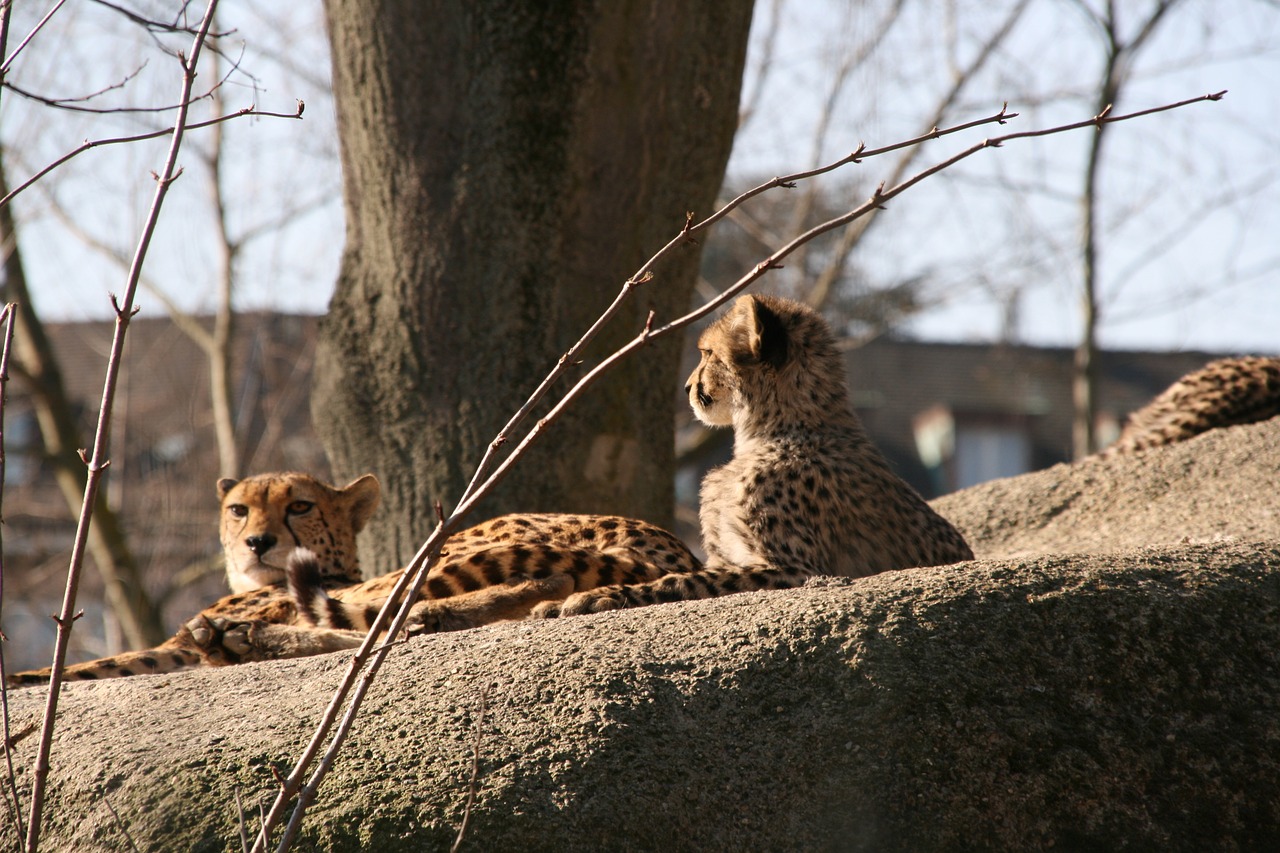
986 451
962 449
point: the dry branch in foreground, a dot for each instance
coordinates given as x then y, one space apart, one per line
368 659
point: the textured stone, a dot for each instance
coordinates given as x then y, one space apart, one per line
1120 697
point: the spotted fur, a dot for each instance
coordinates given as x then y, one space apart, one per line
806 492
298 537
1226 392
501 569
263 519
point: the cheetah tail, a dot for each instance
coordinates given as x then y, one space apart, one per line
315 607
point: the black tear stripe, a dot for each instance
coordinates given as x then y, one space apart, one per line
288 525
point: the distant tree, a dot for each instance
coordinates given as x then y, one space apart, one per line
35 363
505 169
1120 43
91 89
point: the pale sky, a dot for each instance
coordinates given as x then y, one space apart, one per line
1190 259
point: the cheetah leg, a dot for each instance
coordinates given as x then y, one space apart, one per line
709 583
510 600
225 641
168 657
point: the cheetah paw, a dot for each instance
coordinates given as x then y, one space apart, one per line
591 601
217 637
436 617
546 610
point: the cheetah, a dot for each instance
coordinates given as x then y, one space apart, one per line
526 559
278 527
1226 392
806 493
263 519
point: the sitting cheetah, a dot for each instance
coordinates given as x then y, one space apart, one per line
1223 393
493 571
806 492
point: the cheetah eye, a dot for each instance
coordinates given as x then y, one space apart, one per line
238 510
299 507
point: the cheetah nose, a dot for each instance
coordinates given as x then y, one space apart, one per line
260 545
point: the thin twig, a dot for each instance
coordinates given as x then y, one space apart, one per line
8 60
853 235
690 231
98 463
241 824
6 16
142 137
474 782
12 801
124 830
152 25
67 102
415 574
72 104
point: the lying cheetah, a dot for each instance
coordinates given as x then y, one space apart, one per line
263 519
525 558
806 492
1223 393
493 571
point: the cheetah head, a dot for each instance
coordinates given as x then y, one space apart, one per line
266 516
750 338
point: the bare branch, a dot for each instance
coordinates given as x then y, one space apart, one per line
72 104
12 802
8 60
66 103
852 236
751 100
571 358
804 208
474 781
115 818
368 659
154 26
246 111
98 463
184 321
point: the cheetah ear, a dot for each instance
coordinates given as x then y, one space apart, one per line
766 336
362 495
225 485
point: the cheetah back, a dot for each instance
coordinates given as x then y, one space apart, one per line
1226 392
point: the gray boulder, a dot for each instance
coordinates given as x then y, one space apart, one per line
1116 686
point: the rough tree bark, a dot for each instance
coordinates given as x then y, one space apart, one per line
505 169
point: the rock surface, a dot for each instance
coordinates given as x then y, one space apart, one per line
1106 675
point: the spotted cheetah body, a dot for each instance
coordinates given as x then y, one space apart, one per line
275 527
1226 392
806 492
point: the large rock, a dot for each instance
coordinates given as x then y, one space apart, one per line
1096 701
1220 485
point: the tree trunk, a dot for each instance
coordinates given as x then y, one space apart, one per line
505 169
